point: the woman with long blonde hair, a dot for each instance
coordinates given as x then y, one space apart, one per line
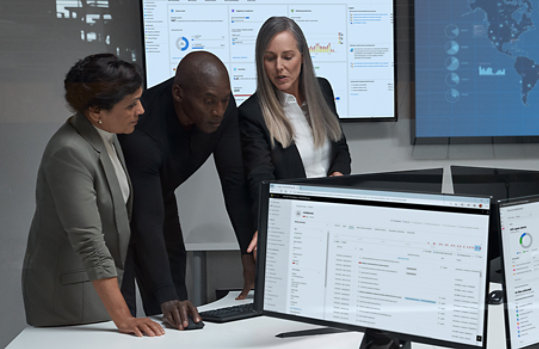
289 127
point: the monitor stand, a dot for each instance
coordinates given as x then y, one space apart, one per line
373 339
311 332
495 273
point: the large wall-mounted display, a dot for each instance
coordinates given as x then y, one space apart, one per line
475 68
351 43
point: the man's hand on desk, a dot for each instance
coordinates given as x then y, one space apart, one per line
176 313
249 270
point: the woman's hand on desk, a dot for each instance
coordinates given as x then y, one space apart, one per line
176 313
139 327
109 292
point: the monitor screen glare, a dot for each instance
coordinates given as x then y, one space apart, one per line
351 43
408 263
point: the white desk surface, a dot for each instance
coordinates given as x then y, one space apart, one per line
258 332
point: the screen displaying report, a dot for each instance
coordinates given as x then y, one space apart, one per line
520 227
351 43
402 262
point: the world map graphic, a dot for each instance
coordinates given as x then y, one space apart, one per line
476 68
507 21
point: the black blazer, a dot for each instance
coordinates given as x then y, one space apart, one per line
262 162
161 155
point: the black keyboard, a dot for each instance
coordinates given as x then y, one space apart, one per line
236 312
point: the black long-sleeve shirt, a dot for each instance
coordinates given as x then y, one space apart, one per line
160 155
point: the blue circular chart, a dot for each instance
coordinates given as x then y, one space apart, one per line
525 240
452 79
452 31
452 63
182 43
452 47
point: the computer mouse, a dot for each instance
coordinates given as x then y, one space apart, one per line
495 297
194 325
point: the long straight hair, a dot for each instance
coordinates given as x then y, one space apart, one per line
323 121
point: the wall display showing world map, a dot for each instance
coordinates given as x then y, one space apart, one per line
476 68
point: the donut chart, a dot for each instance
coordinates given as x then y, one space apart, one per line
182 43
525 240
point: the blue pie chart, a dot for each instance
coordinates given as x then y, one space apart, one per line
452 47
452 63
182 43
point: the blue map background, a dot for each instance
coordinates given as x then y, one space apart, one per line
475 70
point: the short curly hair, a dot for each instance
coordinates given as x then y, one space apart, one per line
100 81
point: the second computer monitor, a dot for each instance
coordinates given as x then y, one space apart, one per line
412 264
498 183
519 223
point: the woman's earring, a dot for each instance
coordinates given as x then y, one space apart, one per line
100 122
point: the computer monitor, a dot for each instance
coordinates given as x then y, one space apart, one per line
410 264
498 183
422 180
519 223
351 43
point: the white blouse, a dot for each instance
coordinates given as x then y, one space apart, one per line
108 139
315 161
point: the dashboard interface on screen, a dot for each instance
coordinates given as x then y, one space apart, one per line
519 221
408 263
351 43
476 68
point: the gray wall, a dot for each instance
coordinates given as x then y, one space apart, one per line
37 48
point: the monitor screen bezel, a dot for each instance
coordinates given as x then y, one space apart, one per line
260 276
429 180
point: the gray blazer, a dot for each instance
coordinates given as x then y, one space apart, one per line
80 230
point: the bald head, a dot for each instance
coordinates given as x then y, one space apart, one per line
200 69
201 91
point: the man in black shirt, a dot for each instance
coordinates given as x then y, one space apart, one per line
187 118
